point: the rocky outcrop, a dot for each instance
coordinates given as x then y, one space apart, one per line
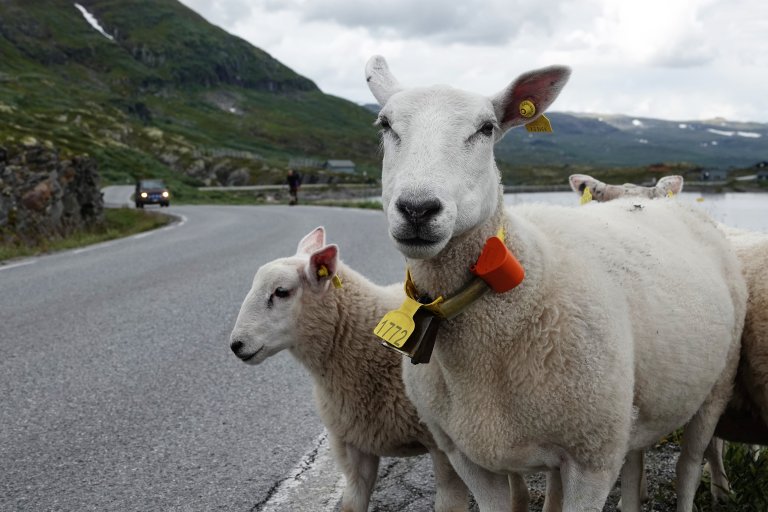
43 195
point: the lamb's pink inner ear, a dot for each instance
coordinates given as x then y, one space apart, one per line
579 181
541 87
672 184
323 263
312 242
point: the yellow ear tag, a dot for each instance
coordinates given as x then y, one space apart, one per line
395 327
540 125
699 199
323 272
586 196
670 193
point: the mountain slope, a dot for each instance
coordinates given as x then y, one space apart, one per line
622 141
169 94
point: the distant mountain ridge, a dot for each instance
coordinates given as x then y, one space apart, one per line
618 140
161 90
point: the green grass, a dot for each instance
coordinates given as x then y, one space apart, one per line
748 478
118 223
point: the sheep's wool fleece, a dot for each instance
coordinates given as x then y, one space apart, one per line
358 383
629 313
752 380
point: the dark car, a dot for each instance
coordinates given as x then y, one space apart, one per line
151 192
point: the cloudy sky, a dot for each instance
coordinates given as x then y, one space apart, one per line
670 59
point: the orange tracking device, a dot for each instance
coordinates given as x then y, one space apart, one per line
498 267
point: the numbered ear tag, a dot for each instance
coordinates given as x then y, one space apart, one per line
409 330
397 325
670 193
540 125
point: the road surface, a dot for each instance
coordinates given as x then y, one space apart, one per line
119 391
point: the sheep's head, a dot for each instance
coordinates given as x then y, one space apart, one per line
439 177
604 192
270 314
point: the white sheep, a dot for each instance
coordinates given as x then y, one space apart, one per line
358 384
599 191
569 370
746 417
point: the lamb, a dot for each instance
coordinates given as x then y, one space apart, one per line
746 417
568 370
358 384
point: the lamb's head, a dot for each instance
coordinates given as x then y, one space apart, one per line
439 178
271 313
604 192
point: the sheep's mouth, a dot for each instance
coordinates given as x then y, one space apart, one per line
415 241
246 358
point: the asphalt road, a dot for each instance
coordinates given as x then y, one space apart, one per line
119 391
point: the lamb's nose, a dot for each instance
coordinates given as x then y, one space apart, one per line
419 211
236 346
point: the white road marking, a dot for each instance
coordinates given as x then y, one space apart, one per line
19 264
314 485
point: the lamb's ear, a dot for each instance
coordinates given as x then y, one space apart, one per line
579 181
322 264
312 242
380 80
539 87
673 184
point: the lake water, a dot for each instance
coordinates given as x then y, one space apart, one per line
739 210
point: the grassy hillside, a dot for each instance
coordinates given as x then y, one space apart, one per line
171 96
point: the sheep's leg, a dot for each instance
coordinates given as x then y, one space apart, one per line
586 490
519 490
643 482
491 490
719 487
452 494
360 471
696 436
632 482
553 500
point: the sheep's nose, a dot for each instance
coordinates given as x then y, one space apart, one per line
419 211
236 346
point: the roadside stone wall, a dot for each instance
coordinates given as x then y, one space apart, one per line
43 195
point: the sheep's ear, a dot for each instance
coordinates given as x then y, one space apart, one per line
673 184
380 80
322 264
539 87
580 181
312 242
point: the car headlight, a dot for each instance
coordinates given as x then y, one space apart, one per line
143 194
165 193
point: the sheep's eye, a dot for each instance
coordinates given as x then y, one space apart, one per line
486 129
384 123
282 293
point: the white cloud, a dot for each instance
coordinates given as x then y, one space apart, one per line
690 60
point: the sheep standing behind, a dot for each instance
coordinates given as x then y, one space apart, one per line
746 417
570 370
358 384
602 192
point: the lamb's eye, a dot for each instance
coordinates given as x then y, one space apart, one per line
282 293
486 129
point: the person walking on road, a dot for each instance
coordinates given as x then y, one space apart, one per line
294 182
